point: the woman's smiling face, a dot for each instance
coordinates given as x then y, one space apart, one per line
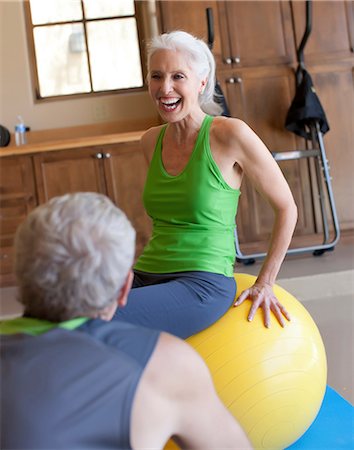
173 85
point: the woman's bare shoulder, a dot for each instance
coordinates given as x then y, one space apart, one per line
231 137
227 130
152 132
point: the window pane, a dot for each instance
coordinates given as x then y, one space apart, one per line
49 11
61 60
108 8
114 54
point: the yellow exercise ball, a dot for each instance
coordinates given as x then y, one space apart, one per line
273 379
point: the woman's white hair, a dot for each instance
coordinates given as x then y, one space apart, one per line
72 256
200 58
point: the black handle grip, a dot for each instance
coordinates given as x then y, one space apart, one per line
300 50
210 22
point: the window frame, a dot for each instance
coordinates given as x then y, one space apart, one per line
142 37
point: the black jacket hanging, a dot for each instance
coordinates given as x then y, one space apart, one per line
305 108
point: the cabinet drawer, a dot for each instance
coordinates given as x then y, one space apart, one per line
13 212
7 277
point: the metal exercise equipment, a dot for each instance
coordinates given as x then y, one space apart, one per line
307 119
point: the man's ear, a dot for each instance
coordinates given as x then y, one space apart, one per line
124 292
121 301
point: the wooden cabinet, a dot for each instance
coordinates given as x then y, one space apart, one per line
266 33
261 98
257 33
125 173
246 34
73 170
334 84
255 50
17 199
118 171
332 34
190 16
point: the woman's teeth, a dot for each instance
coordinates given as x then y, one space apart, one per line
170 104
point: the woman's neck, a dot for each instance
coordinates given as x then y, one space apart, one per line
186 129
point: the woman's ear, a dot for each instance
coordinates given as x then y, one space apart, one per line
202 86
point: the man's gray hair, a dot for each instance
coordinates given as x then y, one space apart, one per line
72 256
200 58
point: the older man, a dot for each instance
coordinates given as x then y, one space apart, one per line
71 378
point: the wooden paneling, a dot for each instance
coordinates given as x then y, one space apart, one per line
331 36
190 16
260 33
17 199
263 100
335 89
58 173
17 194
118 171
125 173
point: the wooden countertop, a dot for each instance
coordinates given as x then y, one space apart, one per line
64 144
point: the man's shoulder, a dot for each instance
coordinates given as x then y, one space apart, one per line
134 341
173 384
174 365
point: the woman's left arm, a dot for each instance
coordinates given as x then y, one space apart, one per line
264 173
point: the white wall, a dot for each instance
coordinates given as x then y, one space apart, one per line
16 93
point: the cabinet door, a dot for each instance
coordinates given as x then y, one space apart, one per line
76 170
261 97
260 33
332 33
334 85
190 16
17 199
125 172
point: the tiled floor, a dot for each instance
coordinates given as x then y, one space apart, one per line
324 284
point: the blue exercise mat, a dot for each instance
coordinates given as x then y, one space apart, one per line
333 428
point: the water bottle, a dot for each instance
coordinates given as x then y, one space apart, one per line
20 132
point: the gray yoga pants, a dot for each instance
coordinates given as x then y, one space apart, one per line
181 303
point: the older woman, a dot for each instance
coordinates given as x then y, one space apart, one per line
184 278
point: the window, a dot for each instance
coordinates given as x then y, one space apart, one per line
84 46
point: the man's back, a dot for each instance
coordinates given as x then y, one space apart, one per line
72 389
71 382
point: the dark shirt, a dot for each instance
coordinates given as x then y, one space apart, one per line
72 389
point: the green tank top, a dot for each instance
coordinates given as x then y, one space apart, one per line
193 214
